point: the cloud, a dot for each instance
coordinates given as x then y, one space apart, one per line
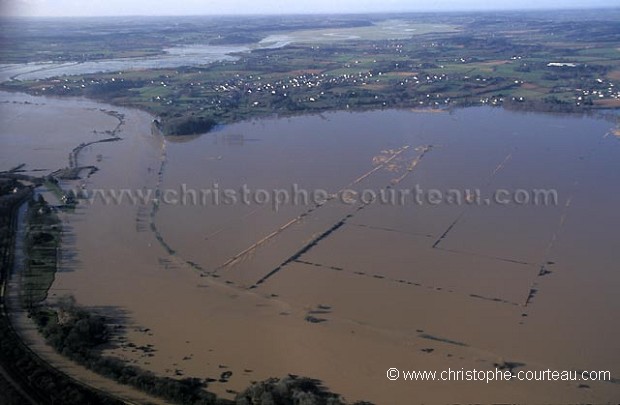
20 7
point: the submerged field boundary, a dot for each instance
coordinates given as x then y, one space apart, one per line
336 226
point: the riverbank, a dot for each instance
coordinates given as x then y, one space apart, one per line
28 376
25 289
414 70
200 329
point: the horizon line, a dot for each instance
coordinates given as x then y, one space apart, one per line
330 13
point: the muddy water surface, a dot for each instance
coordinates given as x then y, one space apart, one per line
344 291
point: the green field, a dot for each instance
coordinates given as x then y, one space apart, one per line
42 249
362 63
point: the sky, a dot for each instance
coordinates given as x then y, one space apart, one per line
56 8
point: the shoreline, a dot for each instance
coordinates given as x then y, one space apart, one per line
227 290
28 333
203 295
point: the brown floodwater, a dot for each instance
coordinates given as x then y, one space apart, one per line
41 132
343 291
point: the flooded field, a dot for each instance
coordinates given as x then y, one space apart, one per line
190 55
388 29
44 143
342 289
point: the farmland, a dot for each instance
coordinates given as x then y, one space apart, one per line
547 63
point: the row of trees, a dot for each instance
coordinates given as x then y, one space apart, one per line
291 390
41 382
78 334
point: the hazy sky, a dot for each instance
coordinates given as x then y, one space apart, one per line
189 7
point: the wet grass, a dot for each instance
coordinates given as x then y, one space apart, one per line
43 238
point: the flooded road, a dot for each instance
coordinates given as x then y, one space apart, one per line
342 289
